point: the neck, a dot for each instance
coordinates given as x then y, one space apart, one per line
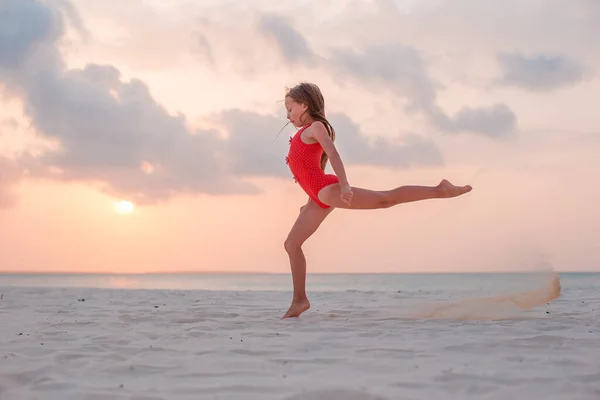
308 120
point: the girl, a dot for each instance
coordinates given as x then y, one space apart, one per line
310 149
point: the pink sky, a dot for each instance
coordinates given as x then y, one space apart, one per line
422 91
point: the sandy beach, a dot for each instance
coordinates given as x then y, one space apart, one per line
77 343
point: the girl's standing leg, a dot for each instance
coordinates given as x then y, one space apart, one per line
310 218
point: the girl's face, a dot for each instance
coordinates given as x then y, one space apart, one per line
295 112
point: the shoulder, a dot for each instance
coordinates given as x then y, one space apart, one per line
318 134
317 130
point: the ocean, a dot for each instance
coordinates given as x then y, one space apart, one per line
465 283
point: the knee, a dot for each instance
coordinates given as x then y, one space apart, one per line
291 246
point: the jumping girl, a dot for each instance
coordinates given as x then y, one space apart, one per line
310 149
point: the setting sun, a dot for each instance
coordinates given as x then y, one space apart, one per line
124 207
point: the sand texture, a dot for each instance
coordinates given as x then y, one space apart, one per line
97 344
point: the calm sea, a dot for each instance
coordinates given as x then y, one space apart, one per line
455 282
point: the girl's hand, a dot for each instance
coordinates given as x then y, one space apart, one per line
346 194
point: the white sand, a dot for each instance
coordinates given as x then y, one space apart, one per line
351 345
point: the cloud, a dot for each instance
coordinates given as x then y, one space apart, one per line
541 72
10 175
112 131
204 50
495 121
403 152
8 123
394 67
539 26
252 151
25 25
401 70
292 45
109 130
116 131
70 11
403 52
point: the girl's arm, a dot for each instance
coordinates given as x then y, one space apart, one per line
319 133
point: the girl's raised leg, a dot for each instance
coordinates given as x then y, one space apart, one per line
364 199
310 218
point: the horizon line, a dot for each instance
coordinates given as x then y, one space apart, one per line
231 272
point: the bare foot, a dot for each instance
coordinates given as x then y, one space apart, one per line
446 189
297 308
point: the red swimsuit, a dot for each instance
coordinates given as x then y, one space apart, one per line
304 161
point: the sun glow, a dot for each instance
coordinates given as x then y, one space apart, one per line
124 207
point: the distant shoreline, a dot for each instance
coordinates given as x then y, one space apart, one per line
286 273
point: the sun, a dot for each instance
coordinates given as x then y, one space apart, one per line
124 207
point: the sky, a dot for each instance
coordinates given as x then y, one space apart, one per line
174 110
